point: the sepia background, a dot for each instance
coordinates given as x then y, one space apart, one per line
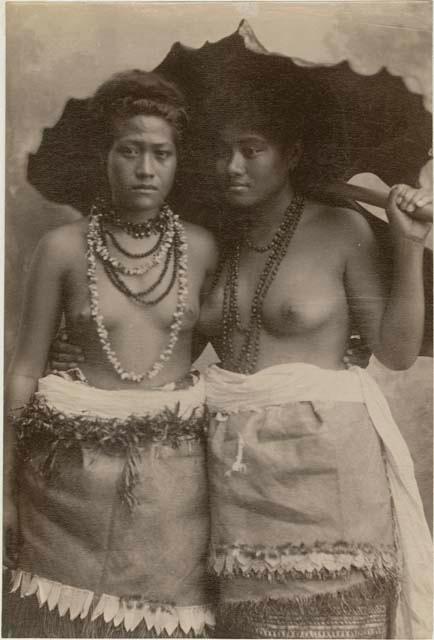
60 50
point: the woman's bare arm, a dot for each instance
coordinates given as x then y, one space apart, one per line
42 308
39 322
391 321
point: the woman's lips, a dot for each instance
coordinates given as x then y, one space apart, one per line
144 188
237 187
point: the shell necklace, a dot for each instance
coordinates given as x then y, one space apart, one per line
173 245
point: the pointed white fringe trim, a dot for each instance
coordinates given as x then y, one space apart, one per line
78 602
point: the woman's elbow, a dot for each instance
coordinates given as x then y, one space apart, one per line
395 360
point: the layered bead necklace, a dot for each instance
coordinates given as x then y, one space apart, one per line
245 361
140 230
170 247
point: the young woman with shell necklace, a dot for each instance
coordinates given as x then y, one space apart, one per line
105 470
304 538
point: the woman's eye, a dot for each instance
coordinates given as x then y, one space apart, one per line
128 151
163 154
251 152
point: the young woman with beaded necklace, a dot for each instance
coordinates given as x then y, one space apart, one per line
303 539
303 455
105 466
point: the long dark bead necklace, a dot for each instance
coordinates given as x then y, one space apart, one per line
247 358
254 247
167 249
139 296
175 244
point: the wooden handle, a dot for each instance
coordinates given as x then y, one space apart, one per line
375 197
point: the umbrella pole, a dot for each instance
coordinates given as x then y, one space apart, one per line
374 197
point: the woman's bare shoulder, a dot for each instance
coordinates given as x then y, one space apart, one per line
199 234
202 243
341 223
63 235
64 241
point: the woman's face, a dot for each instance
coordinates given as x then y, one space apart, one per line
141 163
251 169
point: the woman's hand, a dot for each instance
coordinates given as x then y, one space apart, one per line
64 355
357 354
402 203
10 532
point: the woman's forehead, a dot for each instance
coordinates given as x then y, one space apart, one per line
143 125
235 133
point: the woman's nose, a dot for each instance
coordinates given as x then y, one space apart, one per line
236 163
145 165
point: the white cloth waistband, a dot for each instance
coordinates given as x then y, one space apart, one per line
293 382
229 392
75 397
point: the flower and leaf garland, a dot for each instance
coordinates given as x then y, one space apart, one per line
171 246
44 433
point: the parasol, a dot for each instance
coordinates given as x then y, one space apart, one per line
360 124
385 129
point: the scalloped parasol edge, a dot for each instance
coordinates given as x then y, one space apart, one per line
413 84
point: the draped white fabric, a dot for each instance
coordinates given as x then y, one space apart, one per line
77 397
229 392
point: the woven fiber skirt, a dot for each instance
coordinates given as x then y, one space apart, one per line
303 537
113 512
361 612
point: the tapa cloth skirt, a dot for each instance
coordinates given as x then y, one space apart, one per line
303 521
113 511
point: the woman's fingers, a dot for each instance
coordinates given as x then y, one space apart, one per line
401 212
405 198
66 348
10 548
63 351
10 532
409 199
61 356
357 352
423 201
62 366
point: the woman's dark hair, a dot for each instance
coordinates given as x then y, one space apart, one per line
134 92
275 97
272 96
254 102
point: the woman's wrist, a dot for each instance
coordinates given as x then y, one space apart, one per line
409 244
15 412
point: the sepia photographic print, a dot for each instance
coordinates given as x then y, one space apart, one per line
218 320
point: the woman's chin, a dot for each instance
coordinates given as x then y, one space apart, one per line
239 199
143 204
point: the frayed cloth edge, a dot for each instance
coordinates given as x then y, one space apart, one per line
327 603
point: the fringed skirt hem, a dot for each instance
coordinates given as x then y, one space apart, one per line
40 608
362 611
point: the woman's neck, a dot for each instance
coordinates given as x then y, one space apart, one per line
265 218
136 216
